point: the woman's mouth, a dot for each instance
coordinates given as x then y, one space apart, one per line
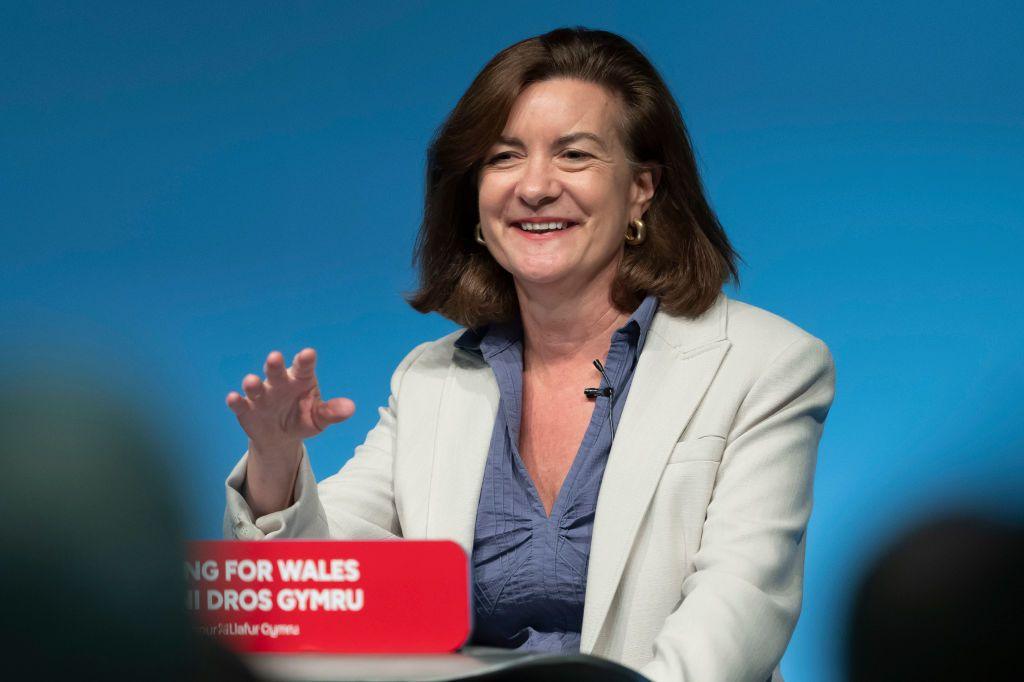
532 228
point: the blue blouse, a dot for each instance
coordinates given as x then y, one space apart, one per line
530 570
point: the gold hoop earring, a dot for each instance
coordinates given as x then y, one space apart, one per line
640 232
479 235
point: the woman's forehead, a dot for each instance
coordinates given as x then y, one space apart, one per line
549 110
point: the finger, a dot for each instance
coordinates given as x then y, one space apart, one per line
274 367
334 410
253 386
304 364
237 403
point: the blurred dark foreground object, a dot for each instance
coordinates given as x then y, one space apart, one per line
91 551
944 602
556 668
471 664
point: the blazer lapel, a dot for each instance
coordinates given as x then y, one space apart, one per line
469 404
678 362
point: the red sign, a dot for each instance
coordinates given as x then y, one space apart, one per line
386 596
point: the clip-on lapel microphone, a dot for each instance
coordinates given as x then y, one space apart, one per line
607 392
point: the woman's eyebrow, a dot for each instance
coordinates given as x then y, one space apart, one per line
582 135
564 139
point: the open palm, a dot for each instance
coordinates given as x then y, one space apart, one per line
286 407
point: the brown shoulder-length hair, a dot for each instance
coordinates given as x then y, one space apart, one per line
686 257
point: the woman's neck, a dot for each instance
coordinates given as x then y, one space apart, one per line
561 329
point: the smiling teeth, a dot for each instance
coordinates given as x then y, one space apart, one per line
542 227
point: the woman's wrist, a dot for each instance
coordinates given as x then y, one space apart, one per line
270 476
281 457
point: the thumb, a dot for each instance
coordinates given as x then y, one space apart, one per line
335 410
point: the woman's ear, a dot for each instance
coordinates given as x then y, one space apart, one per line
645 182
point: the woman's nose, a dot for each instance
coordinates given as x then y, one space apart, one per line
538 184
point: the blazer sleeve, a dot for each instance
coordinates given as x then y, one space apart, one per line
357 503
741 603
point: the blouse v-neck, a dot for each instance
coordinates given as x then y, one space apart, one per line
529 568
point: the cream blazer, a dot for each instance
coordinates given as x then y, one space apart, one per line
696 562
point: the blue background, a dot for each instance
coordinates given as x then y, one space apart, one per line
184 188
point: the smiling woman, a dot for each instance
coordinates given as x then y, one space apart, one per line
658 520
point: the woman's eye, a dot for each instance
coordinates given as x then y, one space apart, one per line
504 156
578 155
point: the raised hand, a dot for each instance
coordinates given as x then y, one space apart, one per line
286 407
278 413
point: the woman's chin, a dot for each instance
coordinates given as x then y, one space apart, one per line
542 276
555 272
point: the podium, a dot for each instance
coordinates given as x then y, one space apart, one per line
479 664
333 611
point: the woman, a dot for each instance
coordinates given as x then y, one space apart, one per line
565 222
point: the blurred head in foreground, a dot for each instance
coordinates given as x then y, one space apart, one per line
942 603
91 551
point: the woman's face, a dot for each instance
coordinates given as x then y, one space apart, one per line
560 160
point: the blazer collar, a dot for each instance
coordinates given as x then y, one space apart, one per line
687 334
